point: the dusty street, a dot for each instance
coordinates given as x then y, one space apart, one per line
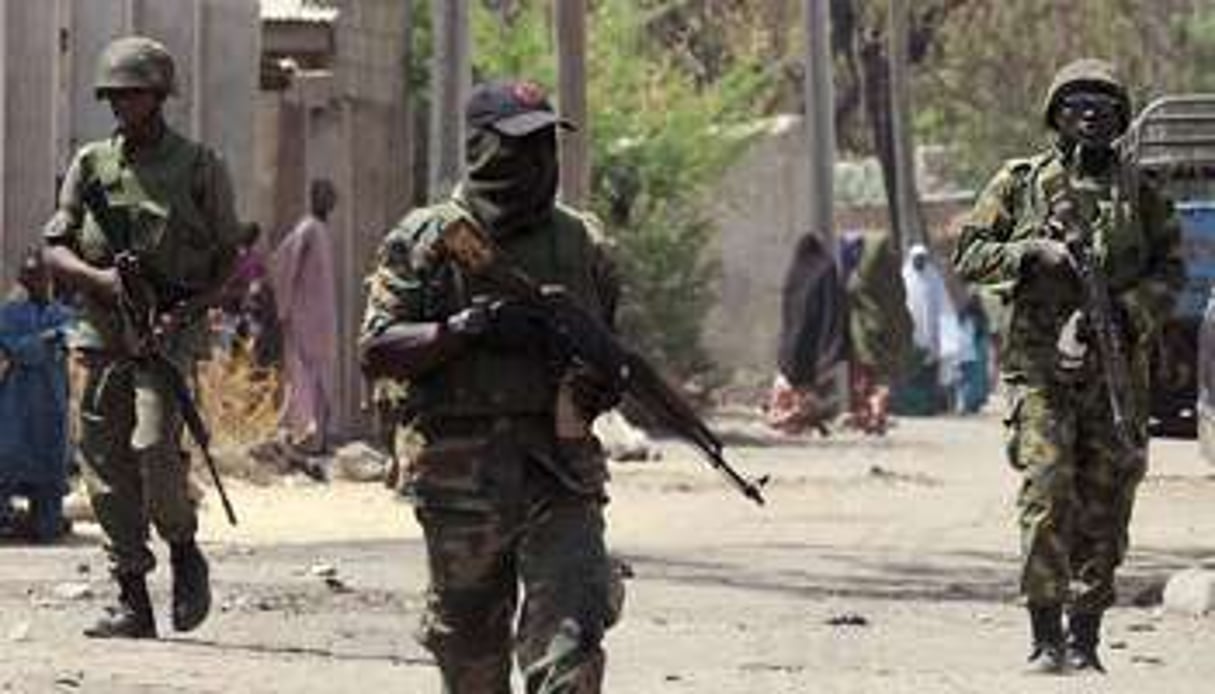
878 566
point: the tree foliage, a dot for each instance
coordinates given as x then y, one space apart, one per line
980 92
668 78
660 131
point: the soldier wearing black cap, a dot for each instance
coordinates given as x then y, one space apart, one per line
504 503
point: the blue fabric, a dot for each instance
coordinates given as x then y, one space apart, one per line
919 393
975 386
34 396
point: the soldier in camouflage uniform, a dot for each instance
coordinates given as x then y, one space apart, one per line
504 502
170 202
1078 484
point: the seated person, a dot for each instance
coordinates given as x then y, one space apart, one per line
34 403
812 341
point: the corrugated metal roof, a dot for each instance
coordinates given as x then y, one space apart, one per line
318 11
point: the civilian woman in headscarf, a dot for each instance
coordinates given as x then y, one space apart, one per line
812 339
879 327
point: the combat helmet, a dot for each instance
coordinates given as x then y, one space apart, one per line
1085 72
135 62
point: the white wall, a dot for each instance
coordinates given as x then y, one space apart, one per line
760 209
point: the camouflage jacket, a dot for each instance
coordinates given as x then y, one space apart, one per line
1137 246
408 286
177 202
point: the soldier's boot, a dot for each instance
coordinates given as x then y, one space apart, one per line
191 585
1084 633
132 617
1047 654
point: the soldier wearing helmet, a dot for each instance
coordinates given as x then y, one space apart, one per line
1079 476
150 195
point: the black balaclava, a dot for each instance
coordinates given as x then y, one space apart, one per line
511 182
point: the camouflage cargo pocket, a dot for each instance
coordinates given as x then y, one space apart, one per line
451 474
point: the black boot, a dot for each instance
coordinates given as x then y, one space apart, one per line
132 617
1083 635
1047 653
191 585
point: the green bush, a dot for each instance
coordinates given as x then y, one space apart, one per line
657 139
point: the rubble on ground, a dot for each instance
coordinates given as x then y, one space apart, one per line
622 441
1191 592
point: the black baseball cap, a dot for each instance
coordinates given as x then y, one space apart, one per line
513 108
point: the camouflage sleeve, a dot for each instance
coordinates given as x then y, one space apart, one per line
217 202
63 228
1150 300
607 283
394 287
986 252
604 271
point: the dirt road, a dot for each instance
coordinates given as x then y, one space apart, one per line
878 566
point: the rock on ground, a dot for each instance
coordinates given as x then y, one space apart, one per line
1191 591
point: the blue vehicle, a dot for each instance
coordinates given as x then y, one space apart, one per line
1172 141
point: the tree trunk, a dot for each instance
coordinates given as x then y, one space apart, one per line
875 86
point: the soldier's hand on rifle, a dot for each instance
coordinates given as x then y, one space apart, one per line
591 392
500 324
1047 255
1064 217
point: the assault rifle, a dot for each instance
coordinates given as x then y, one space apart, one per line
141 312
1103 324
586 340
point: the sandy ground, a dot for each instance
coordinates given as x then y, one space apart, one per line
878 566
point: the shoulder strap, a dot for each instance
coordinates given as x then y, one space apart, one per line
114 225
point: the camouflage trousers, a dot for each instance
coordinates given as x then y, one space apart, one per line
1077 493
134 468
516 555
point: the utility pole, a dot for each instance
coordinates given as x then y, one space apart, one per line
911 226
570 26
450 74
405 135
820 120
820 132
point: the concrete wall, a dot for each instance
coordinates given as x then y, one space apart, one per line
347 124
761 209
48 59
217 49
373 170
27 128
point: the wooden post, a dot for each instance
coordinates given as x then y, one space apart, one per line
451 74
820 120
61 123
571 79
911 227
198 70
405 142
132 16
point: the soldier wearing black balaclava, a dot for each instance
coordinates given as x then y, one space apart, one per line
510 511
